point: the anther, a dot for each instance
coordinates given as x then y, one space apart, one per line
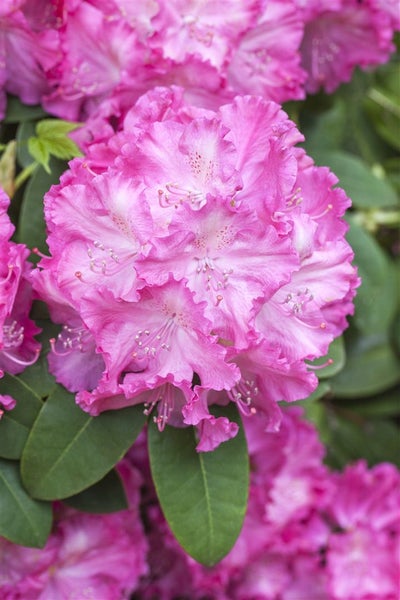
318 367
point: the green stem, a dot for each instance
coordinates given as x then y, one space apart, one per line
25 174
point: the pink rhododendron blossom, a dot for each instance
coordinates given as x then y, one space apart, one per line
207 29
97 54
25 58
18 347
195 243
308 532
86 556
73 360
363 559
92 59
267 60
337 39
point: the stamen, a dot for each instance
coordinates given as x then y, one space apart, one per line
215 279
19 361
86 166
13 335
295 200
70 339
243 393
298 304
150 343
175 195
328 208
164 397
318 367
9 274
102 259
38 253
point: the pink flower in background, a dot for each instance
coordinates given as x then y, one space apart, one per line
308 533
206 29
92 59
337 39
86 556
18 347
197 252
96 55
25 58
267 59
74 346
363 558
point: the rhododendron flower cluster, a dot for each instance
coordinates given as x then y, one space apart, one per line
308 533
18 346
87 556
196 257
74 56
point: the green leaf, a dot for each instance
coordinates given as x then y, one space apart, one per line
325 130
49 128
375 441
384 405
25 131
203 494
336 354
314 410
68 450
40 152
31 227
22 520
376 299
53 134
371 367
105 496
364 188
16 423
38 378
17 112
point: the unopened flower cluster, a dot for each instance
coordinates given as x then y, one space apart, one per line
309 533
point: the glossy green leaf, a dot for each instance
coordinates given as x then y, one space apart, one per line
16 423
386 404
356 178
31 226
375 441
336 354
38 378
105 496
371 367
22 520
376 299
68 450
203 494
17 112
315 409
